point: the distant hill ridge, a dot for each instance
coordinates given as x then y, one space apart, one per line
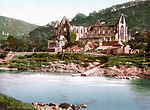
137 15
11 26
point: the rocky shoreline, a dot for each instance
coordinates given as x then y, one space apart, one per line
120 73
61 106
123 72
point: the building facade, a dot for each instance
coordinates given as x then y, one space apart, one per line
99 32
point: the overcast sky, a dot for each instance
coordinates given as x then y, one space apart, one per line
42 12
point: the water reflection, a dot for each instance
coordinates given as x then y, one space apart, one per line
141 86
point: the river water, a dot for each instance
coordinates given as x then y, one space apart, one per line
99 93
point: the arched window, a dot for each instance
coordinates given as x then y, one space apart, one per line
122 20
103 31
122 32
81 31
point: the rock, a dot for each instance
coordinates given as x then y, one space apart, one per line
53 106
64 105
83 106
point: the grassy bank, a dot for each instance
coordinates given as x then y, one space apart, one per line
36 61
140 60
9 103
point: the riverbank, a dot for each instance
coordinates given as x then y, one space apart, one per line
122 67
122 72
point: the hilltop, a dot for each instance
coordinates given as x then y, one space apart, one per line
11 26
137 15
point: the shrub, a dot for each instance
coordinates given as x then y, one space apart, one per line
9 103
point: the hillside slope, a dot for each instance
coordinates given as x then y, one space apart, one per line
39 37
137 15
10 26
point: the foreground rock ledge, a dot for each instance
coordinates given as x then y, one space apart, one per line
61 106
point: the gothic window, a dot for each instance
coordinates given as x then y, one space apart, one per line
122 32
122 29
99 31
122 20
103 31
109 32
77 30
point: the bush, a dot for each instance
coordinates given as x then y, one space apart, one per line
3 55
9 103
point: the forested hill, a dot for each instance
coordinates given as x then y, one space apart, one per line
137 15
10 26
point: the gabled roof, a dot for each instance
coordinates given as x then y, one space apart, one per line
57 23
76 48
64 21
121 20
98 23
110 43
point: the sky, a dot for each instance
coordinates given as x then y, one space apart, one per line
41 12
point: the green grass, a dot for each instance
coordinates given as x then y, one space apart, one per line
129 60
9 103
35 61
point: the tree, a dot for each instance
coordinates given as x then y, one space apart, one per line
80 16
139 41
93 14
79 19
72 37
148 43
25 45
11 43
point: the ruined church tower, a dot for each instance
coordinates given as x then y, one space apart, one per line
122 29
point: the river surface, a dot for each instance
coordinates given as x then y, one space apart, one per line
99 93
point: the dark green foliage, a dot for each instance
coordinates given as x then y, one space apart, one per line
137 15
78 43
3 54
140 40
79 19
71 44
11 43
39 38
68 44
72 37
17 45
9 103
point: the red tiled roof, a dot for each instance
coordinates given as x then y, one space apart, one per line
76 48
91 45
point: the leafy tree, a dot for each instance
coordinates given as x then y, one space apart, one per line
38 38
23 45
148 43
140 41
11 43
93 14
72 37
80 44
78 19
